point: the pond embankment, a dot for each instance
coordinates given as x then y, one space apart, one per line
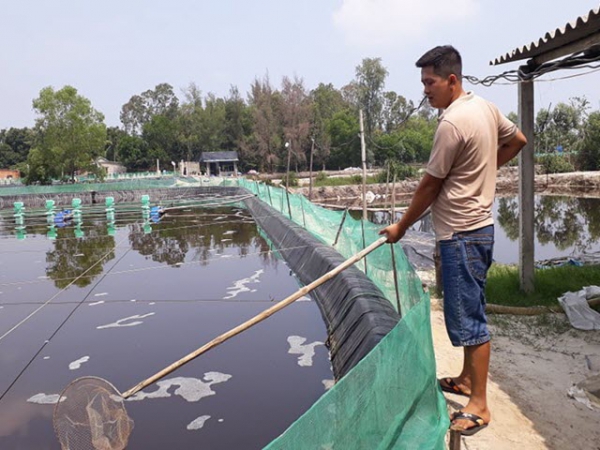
582 184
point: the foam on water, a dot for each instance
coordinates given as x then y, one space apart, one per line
198 423
190 389
328 384
77 364
240 285
46 399
119 323
306 352
97 303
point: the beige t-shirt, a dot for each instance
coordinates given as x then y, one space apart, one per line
464 154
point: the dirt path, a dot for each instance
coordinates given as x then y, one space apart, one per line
534 362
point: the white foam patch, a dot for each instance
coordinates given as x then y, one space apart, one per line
221 218
152 303
46 357
46 399
190 389
226 256
43 277
198 423
240 285
306 352
101 294
220 420
120 322
306 298
97 303
229 232
226 240
77 364
133 300
328 384
79 254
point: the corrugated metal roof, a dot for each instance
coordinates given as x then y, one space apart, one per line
218 156
573 31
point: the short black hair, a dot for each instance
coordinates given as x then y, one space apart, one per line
444 59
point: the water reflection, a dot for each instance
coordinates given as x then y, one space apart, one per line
79 253
565 222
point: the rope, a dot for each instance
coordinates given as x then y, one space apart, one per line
532 310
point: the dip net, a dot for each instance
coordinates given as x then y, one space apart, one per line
90 414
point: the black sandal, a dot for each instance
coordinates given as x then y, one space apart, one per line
448 385
478 421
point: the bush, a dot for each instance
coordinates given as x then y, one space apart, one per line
321 176
403 171
293 180
555 164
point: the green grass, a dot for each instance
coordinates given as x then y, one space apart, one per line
503 284
344 181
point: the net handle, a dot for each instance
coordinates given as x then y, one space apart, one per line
258 318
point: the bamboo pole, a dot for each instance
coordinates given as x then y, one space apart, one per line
256 319
393 217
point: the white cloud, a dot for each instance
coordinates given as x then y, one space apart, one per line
392 22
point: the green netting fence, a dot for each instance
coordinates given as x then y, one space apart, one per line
391 399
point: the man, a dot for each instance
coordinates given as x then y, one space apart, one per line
472 140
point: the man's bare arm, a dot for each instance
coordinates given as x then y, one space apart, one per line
426 193
508 151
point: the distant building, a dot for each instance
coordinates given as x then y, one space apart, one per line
7 174
111 167
220 163
189 168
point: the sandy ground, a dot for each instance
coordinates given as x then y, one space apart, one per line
535 360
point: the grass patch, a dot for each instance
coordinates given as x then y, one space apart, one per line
344 181
503 284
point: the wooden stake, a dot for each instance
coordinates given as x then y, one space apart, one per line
256 319
337 236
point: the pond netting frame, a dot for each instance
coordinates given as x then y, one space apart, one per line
390 399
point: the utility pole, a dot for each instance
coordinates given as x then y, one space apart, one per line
312 149
363 152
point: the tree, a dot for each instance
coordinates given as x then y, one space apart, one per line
160 135
370 81
15 144
266 139
395 110
238 128
326 101
589 155
295 109
70 135
345 144
140 109
113 138
561 126
133 153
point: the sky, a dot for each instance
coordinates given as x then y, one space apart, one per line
114 49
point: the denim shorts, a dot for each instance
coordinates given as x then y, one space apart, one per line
466 259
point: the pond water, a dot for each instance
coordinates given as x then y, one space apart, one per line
564 227
123 302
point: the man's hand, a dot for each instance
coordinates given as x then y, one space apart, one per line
393 232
